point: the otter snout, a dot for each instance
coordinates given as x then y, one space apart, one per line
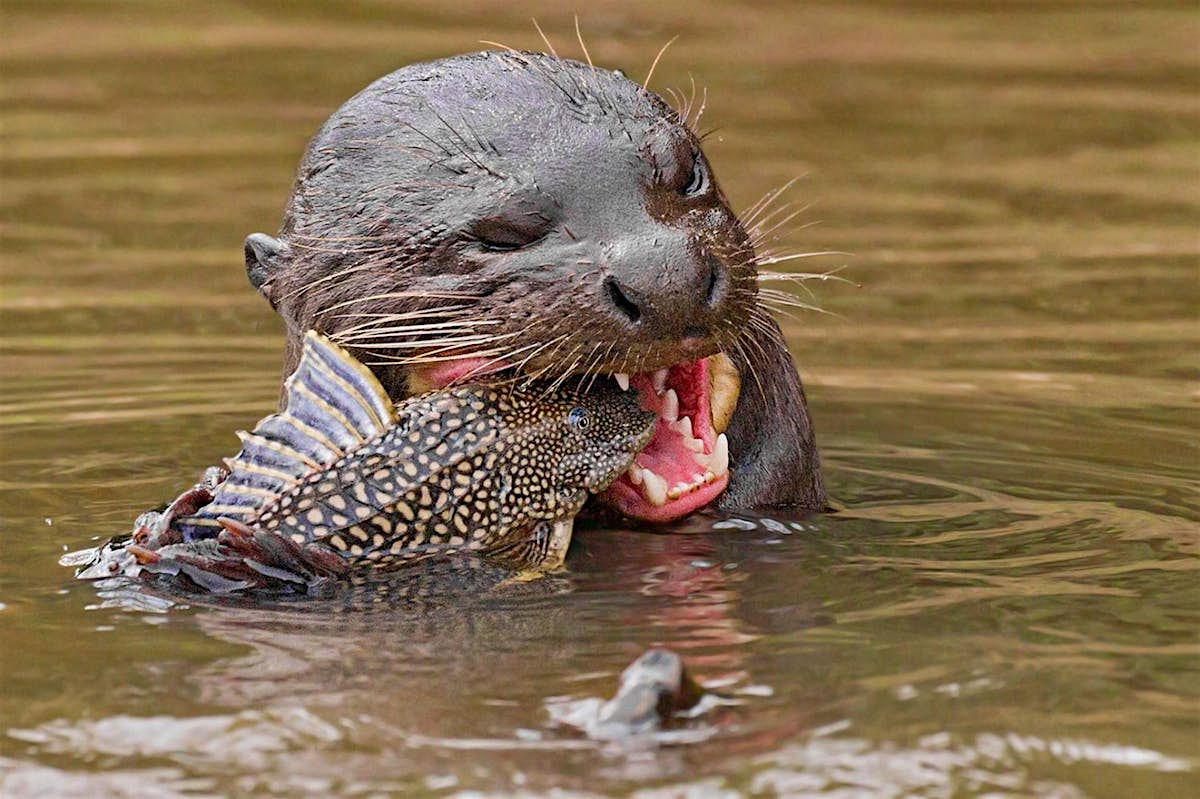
669 289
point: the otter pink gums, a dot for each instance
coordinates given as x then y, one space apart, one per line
519 216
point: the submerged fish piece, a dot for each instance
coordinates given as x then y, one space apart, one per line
342 479
654 691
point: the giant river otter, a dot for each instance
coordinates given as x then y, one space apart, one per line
512 214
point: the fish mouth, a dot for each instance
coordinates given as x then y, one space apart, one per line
685 464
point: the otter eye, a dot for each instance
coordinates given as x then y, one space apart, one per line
579 419
698 181
498 235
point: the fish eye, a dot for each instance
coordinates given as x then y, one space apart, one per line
579 419
699 179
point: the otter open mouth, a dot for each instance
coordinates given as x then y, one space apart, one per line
685 466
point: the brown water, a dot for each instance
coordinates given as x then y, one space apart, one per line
1007 408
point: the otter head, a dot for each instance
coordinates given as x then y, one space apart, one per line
526 214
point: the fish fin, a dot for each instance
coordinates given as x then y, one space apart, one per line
334 405
240 558
541 546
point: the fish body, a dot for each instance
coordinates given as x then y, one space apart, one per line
341 478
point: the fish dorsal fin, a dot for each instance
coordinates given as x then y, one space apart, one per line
334 405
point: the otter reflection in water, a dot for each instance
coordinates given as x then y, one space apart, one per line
511 212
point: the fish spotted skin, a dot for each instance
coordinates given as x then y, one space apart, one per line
340 478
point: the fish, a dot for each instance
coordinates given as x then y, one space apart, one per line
344 479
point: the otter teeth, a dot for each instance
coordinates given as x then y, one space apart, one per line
670 406
719 460
683 426
622 380
659 381
715 465
655 488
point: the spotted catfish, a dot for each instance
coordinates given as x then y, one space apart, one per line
340 478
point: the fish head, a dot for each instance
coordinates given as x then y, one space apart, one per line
602 431
591 437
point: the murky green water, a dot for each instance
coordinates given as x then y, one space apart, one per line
1007 408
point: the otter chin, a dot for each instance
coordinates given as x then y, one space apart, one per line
510 216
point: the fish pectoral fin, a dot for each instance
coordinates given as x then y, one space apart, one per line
558 543
538 547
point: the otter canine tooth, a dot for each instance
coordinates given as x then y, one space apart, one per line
720 455
660 381
635 474
670 406
655 488
622 380
683 427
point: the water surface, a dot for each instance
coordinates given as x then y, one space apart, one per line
1008 602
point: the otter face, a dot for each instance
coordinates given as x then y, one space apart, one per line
521 212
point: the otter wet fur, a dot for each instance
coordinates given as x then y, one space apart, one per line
521 213
341 479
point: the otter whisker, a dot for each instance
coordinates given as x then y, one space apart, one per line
379 318
551 361
531 351
602 359
695 124
764 202
781 299
760 230
436 326
796 256
386 360
654 64
802 279
450 351
589 368
426 344
576 101
397 326
545 38
746 359
349 270
464 145
502 359
403 295
551 342
759 240
567 372
583 46
361 336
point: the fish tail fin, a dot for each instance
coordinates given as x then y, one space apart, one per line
334 405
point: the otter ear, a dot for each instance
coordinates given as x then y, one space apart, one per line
264 258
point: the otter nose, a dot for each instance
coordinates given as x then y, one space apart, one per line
676 300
